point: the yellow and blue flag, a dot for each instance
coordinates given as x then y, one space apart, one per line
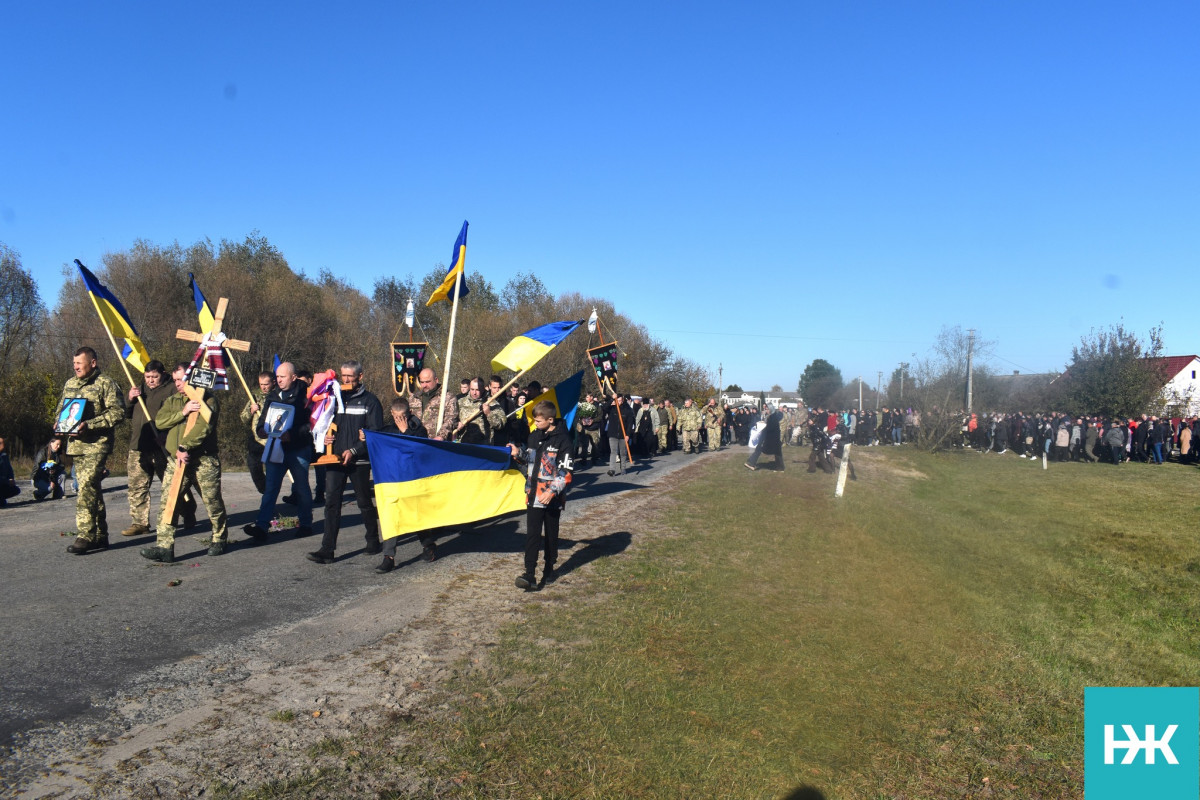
565 397
115 318
456 272
423 483
203 310
527 349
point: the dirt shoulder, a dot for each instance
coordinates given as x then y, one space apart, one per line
256 710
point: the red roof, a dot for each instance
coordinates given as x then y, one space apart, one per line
1174 364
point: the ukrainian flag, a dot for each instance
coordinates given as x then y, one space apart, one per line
203 310
527 349
422 483
565 397
115 318
458 264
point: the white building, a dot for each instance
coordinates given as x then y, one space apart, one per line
1181 393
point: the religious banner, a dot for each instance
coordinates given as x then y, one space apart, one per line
408 359
604 362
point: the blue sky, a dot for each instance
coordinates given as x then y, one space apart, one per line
760 184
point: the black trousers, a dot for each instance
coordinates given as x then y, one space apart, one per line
541 529
335 488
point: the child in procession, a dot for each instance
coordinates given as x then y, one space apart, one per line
548 460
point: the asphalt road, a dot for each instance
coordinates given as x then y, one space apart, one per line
75 629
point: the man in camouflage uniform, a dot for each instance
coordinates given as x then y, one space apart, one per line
587 420
90 446
689 425
713 417
147 460
195 452
664 425
254 444
480 429
425 404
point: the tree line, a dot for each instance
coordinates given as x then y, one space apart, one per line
315 322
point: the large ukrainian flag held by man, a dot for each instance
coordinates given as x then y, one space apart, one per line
423 483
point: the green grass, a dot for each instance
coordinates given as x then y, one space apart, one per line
929 635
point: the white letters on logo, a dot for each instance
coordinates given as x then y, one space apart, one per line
1133 744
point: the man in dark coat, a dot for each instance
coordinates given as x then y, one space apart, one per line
769 442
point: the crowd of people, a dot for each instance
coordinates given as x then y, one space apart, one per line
1146 439
173 439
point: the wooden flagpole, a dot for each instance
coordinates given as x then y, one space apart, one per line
449 351
117 350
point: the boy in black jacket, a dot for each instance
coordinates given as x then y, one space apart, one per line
548 456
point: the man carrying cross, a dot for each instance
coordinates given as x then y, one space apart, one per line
192 449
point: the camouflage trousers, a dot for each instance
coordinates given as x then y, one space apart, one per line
662 438
91 517
205 473
143 467
691 440
714 437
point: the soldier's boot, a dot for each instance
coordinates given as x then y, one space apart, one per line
163 555
82 545
216 548
135 530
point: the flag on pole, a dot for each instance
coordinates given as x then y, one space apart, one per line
410 316
458 261
565 397
423 483
592 321
203 310
275 366
527 349
115 318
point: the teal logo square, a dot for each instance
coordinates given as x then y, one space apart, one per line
1141 742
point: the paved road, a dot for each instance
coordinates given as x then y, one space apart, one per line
76 628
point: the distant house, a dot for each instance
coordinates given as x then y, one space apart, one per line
1181 392
787 399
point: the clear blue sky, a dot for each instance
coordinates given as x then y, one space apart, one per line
760 184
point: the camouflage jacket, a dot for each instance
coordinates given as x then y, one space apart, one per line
201 439
493 420
251 418
103 412
689 418
425 405
713 416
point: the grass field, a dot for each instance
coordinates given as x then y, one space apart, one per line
929 635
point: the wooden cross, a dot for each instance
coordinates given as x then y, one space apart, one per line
197 394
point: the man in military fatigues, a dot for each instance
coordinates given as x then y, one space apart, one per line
147 459
713 417
689 425
425 404
587 420
490 419
195 452
254 443
664 425
90 446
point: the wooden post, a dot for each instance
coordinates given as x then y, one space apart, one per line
841 481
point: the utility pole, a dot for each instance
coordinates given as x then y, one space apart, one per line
860 394
970 355
720 377
878 383
903 369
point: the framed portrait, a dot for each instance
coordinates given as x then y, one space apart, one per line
70 415
278 419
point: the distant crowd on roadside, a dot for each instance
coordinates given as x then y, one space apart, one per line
1059 437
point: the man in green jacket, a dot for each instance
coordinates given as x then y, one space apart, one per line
90 446
195 452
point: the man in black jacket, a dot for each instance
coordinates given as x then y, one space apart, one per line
360 412
617 426
293 449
